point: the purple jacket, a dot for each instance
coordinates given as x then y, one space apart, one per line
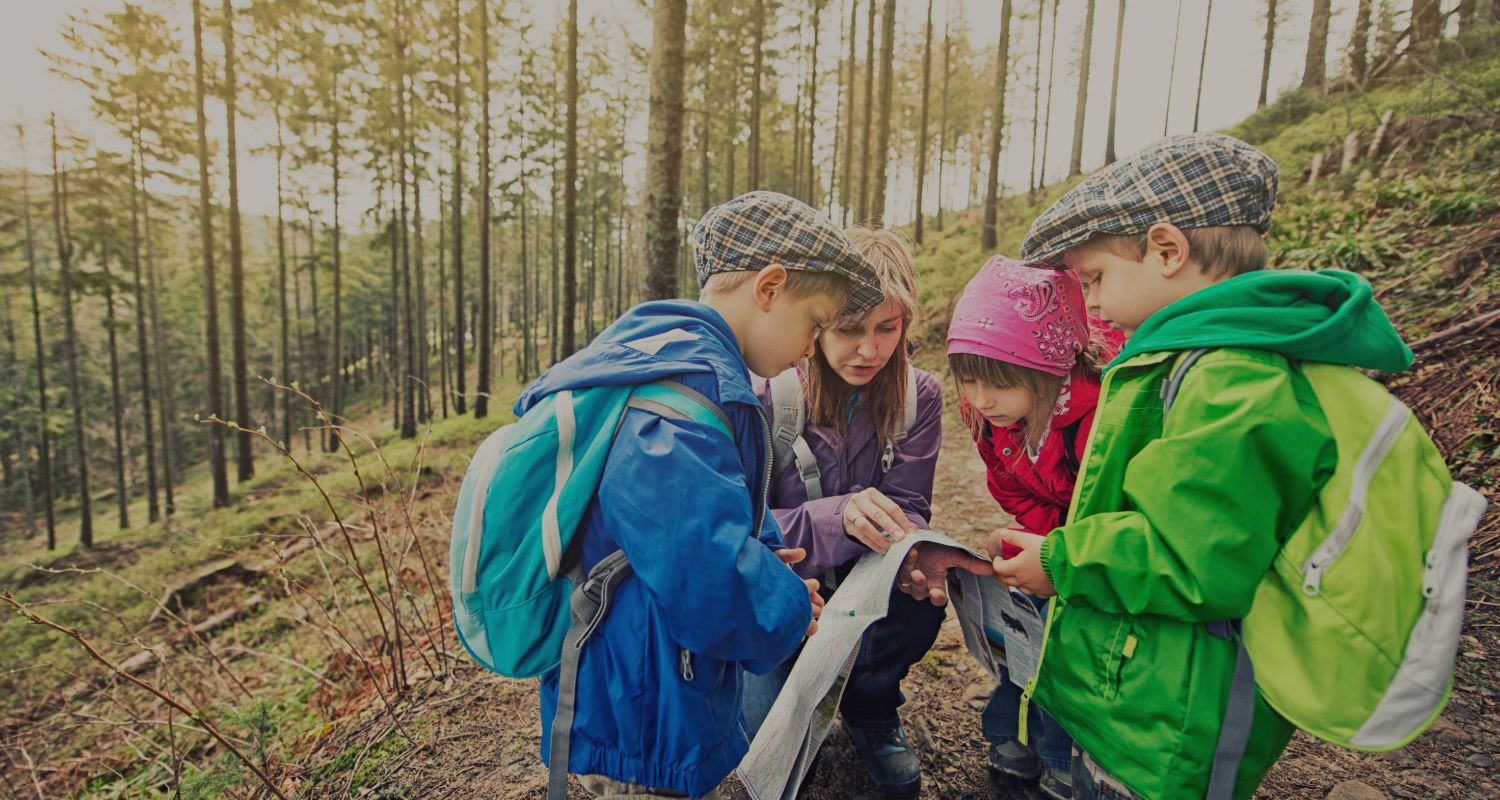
851 466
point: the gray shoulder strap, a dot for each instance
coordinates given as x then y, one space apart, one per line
1173 383
788 415
588 606
1239 716
909 418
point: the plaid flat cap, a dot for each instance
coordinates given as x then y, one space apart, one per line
1196 180
759 228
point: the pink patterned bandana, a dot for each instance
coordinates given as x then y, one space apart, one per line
1027 316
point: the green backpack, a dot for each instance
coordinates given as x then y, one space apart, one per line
1358 619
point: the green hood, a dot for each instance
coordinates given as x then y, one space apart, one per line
1329 316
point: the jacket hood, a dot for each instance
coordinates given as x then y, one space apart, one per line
1329 316
650 342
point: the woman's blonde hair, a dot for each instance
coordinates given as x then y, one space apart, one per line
885 396
1042 387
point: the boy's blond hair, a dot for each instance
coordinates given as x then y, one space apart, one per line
1220 252
799 283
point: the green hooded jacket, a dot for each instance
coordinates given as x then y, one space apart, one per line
1173 527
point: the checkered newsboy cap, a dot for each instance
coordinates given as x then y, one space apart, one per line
1196 180
759 228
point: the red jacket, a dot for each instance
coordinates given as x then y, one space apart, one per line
1038 494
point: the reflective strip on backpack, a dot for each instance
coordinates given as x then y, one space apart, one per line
1421 683
1380 444
551 529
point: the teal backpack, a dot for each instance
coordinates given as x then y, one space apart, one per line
1357 621
521 602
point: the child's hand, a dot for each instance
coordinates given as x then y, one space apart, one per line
874 520
924 573
817 604
998 547
1024 570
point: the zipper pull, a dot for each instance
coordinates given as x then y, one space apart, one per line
685 664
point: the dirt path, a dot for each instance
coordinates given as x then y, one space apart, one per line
483 733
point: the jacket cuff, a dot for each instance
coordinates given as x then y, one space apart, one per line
1048 552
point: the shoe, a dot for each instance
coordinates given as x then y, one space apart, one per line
888 757
1014 760
1056 784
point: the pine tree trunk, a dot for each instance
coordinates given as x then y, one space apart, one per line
1114 86
664 147
244 456
922 138
1265 63
419 277
458 213
570 190
122 492
407 313
1036 93
142 352
1075 165
1041 175
44 438
846 199
757 67
1359 42
1317 46
1203 61
1426 21
331 442
883 146
812 113
65 288
168 405
1172 70
214 376
486 353
988 238
443 343
281 287
937 223
862 215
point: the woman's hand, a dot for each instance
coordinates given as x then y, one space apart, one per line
874 520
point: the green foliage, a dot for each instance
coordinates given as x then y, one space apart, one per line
1454 209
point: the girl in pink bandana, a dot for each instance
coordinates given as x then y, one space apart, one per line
1027 360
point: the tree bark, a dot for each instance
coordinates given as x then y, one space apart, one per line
1313 67
664 147
44 438
1166 116
122 492
1265 62
1036 95
281 282
1426 21
883 147
570 190
331 442
922 137
486 301
1359 43
846 200
988 239
244 456
65 289
943 125
143 353
863 213
214 376
1114 86
1041 175
1203 61
758 64
1075 165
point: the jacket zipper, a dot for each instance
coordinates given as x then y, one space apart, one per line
1072 510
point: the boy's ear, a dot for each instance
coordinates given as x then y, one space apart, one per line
769 283
1168 246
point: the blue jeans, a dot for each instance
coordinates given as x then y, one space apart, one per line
1001 721
873 692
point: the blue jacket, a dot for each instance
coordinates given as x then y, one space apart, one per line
659 683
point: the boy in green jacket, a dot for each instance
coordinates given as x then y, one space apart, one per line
1175 519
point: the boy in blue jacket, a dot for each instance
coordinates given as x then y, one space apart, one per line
659 683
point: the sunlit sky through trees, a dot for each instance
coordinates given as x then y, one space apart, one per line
31 90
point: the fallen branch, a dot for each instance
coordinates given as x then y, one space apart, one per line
1475 325
196 716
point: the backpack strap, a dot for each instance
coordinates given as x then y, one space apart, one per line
589 602
1239 711
788 418
588 605
908 421
1070 446
1173 383
1239 715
